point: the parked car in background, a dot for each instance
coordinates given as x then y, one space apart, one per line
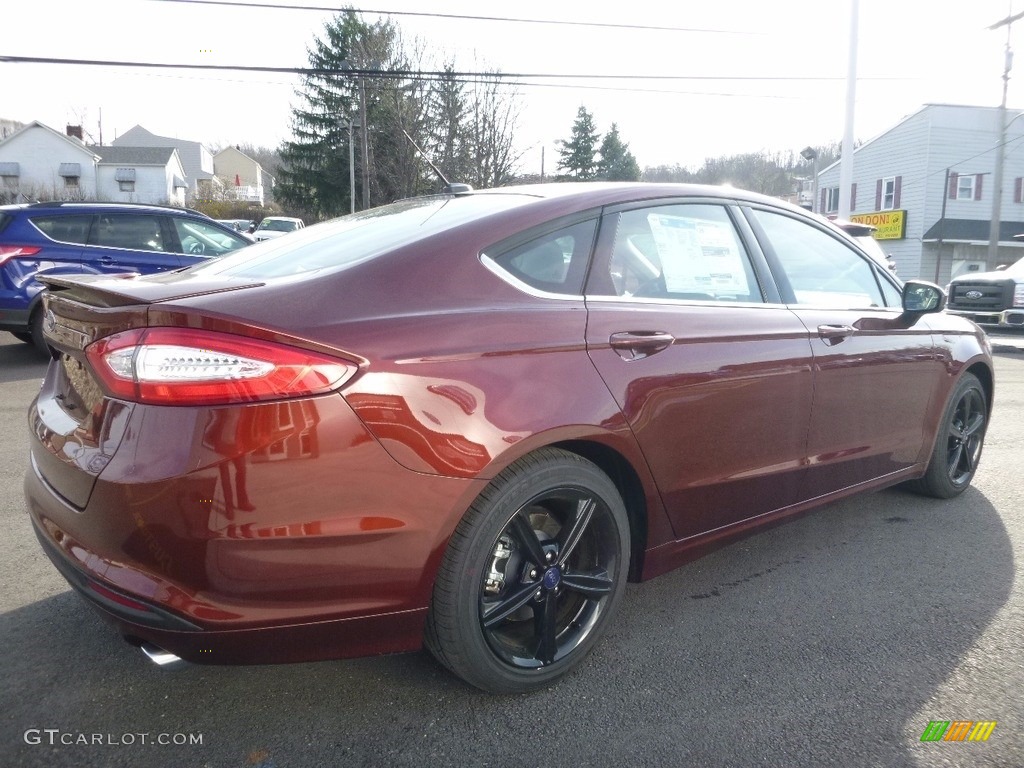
466 420
239 225
275 226
990 298
94 238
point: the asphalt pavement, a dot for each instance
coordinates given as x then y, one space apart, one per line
832 640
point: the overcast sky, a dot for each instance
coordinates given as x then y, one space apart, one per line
911 52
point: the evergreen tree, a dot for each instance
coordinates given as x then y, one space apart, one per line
449 142
617 163
577 155
314 175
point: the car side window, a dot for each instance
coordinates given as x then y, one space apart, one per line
821 270
553 263
679 252
201 239
131 231
893 296
64 229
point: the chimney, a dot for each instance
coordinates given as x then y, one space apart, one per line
75 131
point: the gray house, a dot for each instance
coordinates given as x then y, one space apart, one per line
927 184
196 159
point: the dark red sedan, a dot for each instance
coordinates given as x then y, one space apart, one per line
465 421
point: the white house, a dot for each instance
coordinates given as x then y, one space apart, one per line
39 163
196 159
242 177
927 183
140 175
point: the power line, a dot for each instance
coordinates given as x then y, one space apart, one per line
419 74
328 9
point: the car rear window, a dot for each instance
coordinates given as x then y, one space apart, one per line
359 237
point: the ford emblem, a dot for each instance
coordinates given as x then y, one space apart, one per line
974 294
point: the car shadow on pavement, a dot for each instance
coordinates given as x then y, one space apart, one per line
814 643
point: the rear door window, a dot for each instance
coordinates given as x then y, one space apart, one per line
136 232
686 252
65 229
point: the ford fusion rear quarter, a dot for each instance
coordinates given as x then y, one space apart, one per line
466 421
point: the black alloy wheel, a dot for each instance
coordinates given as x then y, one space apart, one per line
959 441
965 435
532 574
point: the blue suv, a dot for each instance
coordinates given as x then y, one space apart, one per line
94 238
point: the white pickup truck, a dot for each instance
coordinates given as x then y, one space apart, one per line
990 298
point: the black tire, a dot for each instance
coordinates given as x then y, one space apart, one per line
23 336
35 327
958 443
532 575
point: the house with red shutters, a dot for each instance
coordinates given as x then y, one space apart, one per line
928 185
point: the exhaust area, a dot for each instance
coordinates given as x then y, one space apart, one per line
160 657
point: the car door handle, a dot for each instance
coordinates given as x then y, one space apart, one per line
833 334
635 345
106 260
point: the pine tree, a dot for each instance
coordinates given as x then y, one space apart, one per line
617 163
577 155
314 177
449 141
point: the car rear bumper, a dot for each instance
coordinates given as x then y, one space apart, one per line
297 571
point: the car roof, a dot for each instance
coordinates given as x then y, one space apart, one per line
92 207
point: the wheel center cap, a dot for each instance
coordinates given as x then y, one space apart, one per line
552 577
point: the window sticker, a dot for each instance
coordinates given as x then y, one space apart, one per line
698 256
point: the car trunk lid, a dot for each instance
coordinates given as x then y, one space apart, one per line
78 428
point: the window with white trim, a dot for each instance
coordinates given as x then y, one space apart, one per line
889 193
965 187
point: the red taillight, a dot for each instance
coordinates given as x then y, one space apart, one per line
16 252
184 366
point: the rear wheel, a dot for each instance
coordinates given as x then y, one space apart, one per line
958 445
35 326
23 336
532 575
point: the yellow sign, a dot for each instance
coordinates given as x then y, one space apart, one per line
891 225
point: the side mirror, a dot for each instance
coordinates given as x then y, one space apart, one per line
920 297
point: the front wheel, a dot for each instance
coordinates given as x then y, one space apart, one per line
532 574
958 444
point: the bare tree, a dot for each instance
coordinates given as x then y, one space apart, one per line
494 117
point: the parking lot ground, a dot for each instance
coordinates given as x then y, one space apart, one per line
832 640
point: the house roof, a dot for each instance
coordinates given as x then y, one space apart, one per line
137 134
36 124
971 231
133 155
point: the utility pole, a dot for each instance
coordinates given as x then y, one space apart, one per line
846 160
366 152
997 178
